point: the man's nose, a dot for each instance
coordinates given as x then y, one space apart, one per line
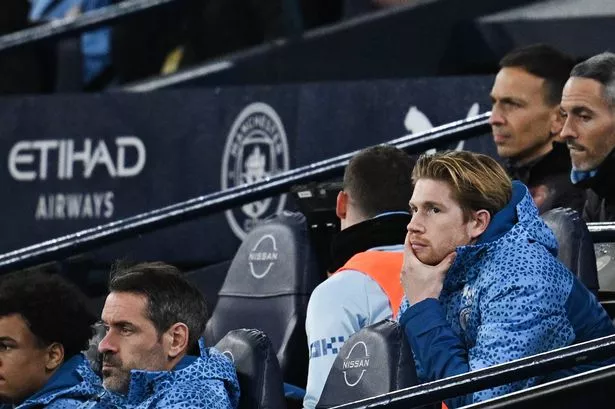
568 132
415 225
496 117
106 344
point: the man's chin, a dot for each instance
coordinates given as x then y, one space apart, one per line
114 384
428 259
504 153
582 165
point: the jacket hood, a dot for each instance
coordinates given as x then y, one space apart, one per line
519 219
74 380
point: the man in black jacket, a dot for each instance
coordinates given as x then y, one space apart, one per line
588 106
525 121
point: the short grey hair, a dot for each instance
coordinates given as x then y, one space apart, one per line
600 68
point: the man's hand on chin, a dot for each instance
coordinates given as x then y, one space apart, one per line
421 281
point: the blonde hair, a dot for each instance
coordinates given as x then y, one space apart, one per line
477 181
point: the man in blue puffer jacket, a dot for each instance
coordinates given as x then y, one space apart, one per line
44 324
154 319
481 276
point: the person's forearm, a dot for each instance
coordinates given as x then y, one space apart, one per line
439 351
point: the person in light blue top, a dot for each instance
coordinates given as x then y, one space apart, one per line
481 277
154 319
95 45
364 286
44 324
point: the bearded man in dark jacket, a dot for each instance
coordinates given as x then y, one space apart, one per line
588 106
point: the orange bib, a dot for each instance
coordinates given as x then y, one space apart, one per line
384 267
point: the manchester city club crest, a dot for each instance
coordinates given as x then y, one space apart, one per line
256 149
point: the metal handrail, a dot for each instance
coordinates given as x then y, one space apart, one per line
551 391
536 365
85 22
215 202
603 232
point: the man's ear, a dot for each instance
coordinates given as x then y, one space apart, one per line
177 339
479 223
341 205
557 121
55 357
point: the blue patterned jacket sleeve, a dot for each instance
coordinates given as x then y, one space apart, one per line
518 319
439 352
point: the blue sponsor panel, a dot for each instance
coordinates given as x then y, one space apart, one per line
74 162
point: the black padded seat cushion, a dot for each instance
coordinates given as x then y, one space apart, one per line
374 361
257 366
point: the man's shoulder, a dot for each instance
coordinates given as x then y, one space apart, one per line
599 208
341 284
195 392
521 263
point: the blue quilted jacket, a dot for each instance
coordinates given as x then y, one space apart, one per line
69 388
207 382
504 298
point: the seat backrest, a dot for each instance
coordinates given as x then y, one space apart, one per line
576 248
258 370
373 361
268 287
605 261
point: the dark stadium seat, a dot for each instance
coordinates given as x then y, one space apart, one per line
576 248
209 281
257 367
374 361
605 261
268 287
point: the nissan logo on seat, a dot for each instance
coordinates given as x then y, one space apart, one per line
355 364
263 256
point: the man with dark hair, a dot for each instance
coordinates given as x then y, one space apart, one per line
44 326
482 280
525 120
365 288
588 106
153 318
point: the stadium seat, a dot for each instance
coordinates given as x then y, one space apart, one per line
268 287
605 261
374 361
257 367
576 248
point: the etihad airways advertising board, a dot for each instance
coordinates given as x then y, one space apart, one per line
73 162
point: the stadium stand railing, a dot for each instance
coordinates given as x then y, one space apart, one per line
73 26
410 21
602 232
